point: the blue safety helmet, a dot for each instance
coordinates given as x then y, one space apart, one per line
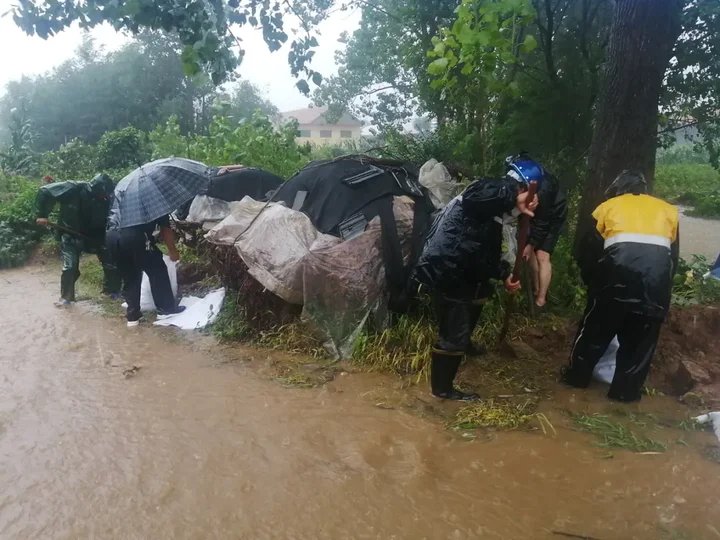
524 169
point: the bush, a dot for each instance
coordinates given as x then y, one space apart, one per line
166 140
696 185
18 232
126 147
72 161
682 153
690 287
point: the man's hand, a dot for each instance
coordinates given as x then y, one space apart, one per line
512 286
526 207
42 221
527 252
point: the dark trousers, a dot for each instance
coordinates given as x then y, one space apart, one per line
637 335
133 255
70 249
456 320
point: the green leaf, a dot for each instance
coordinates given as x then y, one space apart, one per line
438 67
303 86
529 45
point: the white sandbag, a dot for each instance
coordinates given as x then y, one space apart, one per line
435 177
146 298
199 312
605 369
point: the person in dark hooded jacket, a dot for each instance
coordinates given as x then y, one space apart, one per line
462 253
628 266
84 208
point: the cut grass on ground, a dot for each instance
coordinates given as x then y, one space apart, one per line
500 415
613 434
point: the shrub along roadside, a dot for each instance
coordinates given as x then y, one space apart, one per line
18 232
691 184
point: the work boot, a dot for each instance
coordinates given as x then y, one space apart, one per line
443 368
570 378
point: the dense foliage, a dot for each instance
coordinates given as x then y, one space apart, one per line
18 232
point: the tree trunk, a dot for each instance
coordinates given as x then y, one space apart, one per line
641 43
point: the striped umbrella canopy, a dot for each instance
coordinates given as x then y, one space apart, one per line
157 189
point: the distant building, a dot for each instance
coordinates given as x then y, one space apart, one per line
314 128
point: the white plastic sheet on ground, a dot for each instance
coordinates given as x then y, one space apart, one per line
605 368
199 312
435 177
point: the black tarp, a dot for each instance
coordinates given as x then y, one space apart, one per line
251 182
339 189
340 195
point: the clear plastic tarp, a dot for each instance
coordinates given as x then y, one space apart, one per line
338 283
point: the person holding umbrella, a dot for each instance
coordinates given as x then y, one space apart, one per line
135 251
144 199
81 226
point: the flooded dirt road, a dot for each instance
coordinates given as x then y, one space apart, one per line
699 236
194 445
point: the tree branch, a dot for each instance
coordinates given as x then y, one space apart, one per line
678 128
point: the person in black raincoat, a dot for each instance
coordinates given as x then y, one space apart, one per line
547 224
84 208
134 250
461 255
628 266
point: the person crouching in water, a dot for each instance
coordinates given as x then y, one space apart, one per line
134 251
628 266
461 255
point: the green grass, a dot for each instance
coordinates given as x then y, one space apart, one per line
691 184
613 434
230 324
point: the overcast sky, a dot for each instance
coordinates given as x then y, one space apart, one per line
25 55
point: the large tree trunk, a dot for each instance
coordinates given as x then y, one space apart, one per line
625 134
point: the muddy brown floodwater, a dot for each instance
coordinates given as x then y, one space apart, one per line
699 236
194 445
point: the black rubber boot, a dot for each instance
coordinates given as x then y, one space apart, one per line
475 350
443 369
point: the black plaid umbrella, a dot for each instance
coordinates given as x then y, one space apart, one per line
157 189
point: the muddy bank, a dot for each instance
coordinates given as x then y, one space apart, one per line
126 433
688 356
687 359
